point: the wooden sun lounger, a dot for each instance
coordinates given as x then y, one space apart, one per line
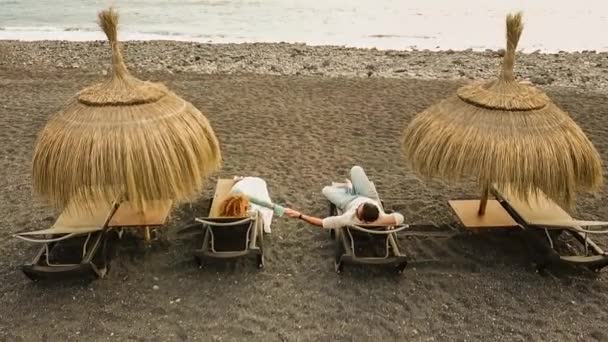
229 237
87 234
543 214
367 244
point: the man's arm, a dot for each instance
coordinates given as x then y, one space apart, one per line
392 219
315 221
310 219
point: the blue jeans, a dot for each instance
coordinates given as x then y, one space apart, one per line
341 196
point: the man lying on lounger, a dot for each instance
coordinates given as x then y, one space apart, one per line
357 199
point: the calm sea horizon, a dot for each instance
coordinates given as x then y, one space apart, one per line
383 24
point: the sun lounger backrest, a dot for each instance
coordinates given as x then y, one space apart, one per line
537 210
222 189
228 233
375 229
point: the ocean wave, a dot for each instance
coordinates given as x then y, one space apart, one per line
399 36
32 28
48 29
80 29
379 41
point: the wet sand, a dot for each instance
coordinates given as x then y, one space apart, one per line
299 133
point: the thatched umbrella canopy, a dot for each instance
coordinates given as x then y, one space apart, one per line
124 138
507 133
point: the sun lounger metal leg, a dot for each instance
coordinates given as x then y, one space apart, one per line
261 263
583 239
198 254
332 212
94 260
397 253
340 251
339 265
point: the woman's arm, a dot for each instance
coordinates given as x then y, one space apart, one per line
279 210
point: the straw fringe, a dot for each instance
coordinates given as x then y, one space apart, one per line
528 151
149 152
124 138
506 133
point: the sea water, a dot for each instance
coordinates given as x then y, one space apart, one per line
550 25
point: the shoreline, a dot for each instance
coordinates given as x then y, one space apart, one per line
585 71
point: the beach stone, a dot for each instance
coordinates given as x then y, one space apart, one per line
155 288
541 80
309 66
154 56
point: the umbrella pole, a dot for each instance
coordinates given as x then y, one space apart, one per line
484 201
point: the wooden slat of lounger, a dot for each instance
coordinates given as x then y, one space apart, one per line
495 216
156 214
222 188
125 216
538 210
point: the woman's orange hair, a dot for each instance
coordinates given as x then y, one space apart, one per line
235 206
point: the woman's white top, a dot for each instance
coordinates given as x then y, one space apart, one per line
256 187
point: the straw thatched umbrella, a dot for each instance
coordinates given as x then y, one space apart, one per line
124 138
507 133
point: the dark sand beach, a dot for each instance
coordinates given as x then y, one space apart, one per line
299 132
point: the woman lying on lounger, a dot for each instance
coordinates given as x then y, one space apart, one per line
249 194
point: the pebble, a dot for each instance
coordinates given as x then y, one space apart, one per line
155 287
586 71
